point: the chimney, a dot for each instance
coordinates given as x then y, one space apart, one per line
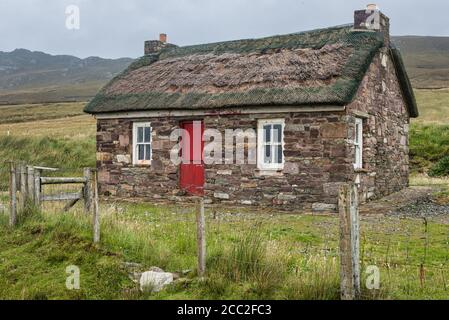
372 19
154 46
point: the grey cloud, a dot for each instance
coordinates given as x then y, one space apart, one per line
117 28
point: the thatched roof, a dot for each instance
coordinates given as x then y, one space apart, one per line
321 67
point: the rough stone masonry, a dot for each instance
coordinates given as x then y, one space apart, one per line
318 151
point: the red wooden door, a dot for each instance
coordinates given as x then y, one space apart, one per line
192 174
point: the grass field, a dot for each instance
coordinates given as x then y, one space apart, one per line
433 106
14 114
56 135
429 134
252 253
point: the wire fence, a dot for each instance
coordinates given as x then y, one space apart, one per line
411 254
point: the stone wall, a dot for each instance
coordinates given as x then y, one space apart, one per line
315 153
118 177
386 131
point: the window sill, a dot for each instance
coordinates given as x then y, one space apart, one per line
142 165
361 170
270 172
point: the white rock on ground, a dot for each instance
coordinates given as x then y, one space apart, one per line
151 281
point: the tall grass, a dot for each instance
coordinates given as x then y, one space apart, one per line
245 260
36 253
316 279
45 152
248 260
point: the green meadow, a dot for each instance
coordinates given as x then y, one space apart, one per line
251 253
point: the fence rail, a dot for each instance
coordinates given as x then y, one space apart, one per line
51 180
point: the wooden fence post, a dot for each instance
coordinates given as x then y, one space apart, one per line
30 183
23 185
355 239
13 195
349 243
37 188
96 216
87 191
201 238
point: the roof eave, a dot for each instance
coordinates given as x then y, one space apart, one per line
404 81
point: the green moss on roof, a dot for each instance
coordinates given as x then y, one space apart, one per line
342 91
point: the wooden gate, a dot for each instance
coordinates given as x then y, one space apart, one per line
27 181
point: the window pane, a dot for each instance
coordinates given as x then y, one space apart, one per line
267 154
277 133
148 152
147 134
278 154
267 133
139 134
140 152
357 156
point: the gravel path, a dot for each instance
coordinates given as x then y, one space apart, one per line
427 208
413 202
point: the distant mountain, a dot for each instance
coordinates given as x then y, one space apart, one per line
32 77
27 76
426 59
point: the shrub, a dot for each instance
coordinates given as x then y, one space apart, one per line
428 145
441 168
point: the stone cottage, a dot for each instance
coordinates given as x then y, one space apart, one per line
329 106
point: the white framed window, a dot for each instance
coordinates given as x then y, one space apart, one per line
358 144
142 153
270 144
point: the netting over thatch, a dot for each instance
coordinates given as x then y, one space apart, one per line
310 68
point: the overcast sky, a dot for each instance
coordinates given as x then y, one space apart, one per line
118 28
